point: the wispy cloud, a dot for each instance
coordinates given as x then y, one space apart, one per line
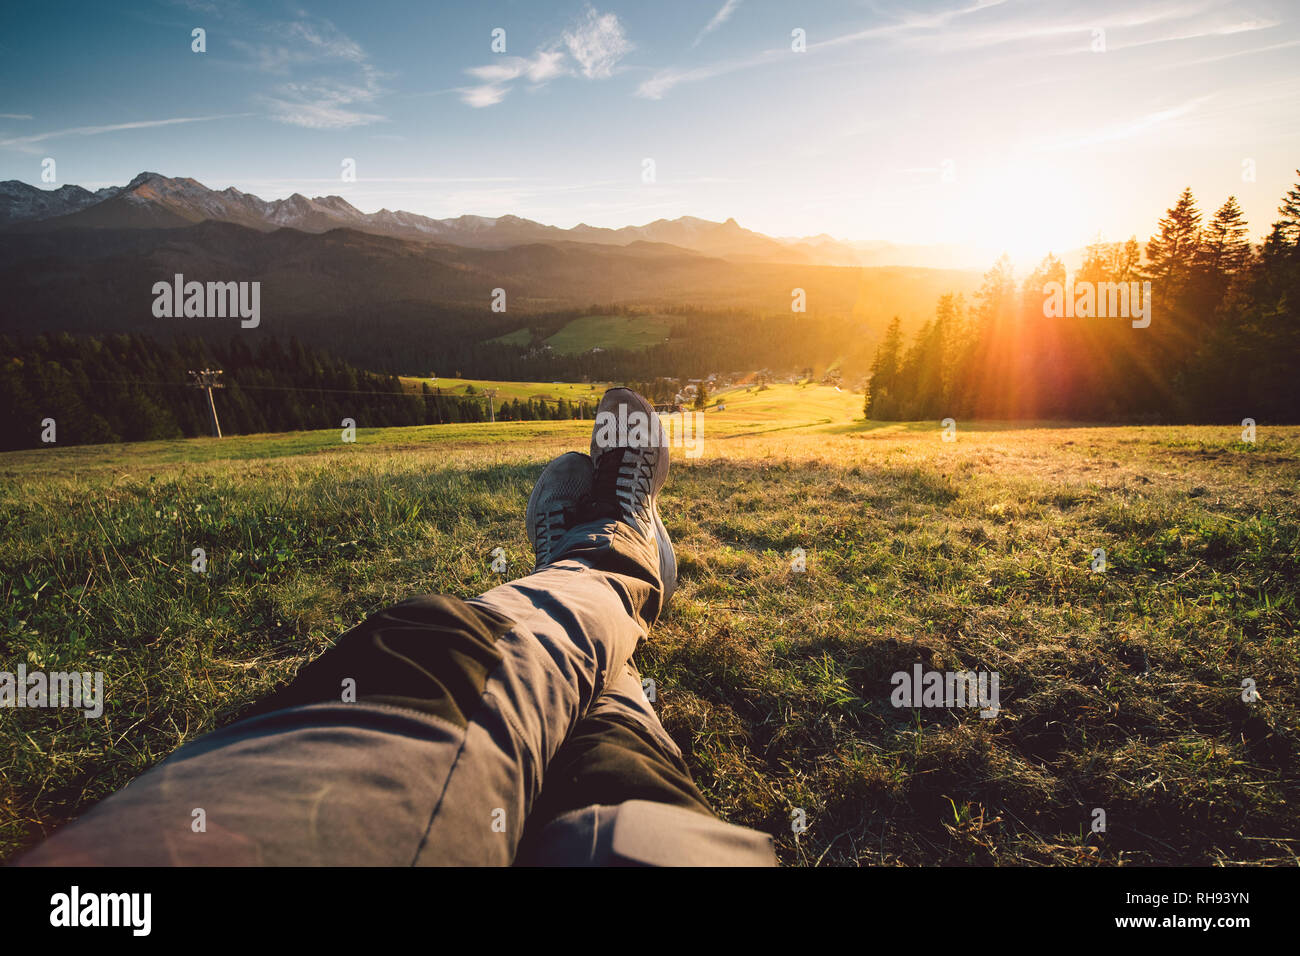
1201 32
1128 129
910 23
591 48
1079 30
939 32
321 104
203 6
597 43
19 116
486 94
656 86
28 143
1236 53
719 18
663 81
340 80
542 66
299 43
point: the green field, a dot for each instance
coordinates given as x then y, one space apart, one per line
519 337
1120 690
506 391
610 332
583 334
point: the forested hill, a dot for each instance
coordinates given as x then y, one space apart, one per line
401 306
132 388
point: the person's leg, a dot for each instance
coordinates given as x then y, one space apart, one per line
619 793
459 708
620 751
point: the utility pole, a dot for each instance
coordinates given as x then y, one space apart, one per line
209 379
491 394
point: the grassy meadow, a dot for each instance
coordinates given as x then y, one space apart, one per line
1120 690
506 391
610 332
599 331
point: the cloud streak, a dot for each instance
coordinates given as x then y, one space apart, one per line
939 33
321 104
665 80
1128 130
341 80
26 143
591 48
719 18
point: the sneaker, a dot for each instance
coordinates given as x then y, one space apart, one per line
562 490
630 452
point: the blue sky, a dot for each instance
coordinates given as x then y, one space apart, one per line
1012 125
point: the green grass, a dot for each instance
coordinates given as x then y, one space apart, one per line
518 337
1119 690
610 332
632 332
551 391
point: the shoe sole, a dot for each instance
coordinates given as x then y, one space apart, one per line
667 557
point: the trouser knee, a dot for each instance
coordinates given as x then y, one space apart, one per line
431 653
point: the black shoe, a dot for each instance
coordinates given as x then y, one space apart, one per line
561 492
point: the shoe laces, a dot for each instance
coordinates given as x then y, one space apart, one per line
622 485
549 527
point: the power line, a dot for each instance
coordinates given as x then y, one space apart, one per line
312 388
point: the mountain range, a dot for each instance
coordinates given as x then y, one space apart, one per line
400 292
154 201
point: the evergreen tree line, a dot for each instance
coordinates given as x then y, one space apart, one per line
134 388
538 410
1222 344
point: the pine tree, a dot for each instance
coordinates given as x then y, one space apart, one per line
1225 248
1290 210
1285 236
884 372
1172 254
1128 263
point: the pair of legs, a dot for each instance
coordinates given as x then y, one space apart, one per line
508 728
